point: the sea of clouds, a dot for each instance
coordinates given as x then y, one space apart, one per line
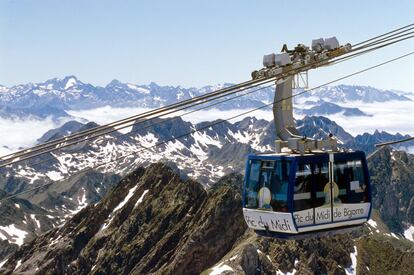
17 134
392 117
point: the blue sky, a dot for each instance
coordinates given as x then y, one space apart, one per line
190 43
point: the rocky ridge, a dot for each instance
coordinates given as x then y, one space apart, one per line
155 222
205 156
152 221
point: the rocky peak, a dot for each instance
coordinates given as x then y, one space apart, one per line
61 84
392 180
64 130
115 83
151 221
319 127
154 222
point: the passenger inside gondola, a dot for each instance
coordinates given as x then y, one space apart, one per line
320 179
267 186
279 188
308 192
351 181
302 189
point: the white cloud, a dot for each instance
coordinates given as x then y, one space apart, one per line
15 134
392 117
108 114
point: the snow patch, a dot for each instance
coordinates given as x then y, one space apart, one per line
395 236
296 262
352 269
241 137
29 173
218 269
54 175
81 202
204 140
53 242
19 262
372 223
149 140
120 205
128 196
33 216
279 272
409 233
70 83
234 257
141 198
15 235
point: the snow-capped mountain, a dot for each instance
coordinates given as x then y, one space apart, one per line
205 156
349 93
69 93
72 94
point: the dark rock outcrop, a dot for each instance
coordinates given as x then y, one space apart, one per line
152 221
392 179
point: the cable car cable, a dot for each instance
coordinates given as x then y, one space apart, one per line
386 40
345 58
393 142
111 125
379 36
167 119
34 149
210 125
30 151
141 115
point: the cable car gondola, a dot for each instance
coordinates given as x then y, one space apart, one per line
307 187
291 196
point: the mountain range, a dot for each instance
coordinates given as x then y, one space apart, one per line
172 206
205 156
56 96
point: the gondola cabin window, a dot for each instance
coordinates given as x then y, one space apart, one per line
267 185
320 176
302 191
350 178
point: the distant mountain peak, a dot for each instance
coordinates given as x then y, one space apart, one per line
70 81
70 93
60 84
114 82
153 85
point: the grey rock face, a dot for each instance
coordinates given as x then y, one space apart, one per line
392 178
150 222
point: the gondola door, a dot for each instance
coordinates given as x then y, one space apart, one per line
333 190
314 192
324 191
265 179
